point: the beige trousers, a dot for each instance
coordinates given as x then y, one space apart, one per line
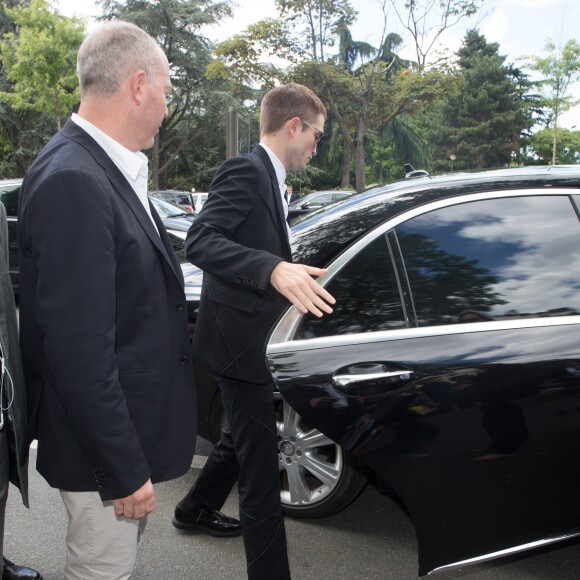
99 545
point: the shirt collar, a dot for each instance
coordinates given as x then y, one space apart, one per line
128 162
278 168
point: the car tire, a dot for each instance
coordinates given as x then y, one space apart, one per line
318 478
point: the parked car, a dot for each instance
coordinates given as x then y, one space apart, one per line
9 192
315 200
181 198
172 215
449 371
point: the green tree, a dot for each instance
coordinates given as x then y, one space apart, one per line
559 68
427 21
39 59
177 25
568 148
322 18
483 122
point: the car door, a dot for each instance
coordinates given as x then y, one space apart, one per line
451 367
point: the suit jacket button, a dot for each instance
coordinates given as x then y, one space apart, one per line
179 306
184 360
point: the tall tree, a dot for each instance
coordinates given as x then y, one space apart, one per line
428 20
177 25
482 123
39 59
559 67
360 86
322 18
542 146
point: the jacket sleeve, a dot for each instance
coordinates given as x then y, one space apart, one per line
213 241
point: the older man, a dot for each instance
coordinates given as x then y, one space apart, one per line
103 323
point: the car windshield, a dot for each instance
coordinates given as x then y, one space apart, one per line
166 209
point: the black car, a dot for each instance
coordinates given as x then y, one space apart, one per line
449 372
9 192
314 201
181 198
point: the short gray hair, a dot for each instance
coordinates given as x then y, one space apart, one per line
111 53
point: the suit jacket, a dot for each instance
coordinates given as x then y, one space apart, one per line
237 240
103 326
13 380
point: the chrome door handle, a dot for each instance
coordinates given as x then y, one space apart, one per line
345 380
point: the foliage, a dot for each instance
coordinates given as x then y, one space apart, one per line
559 67
256 57
323 19
568 148
427 20
186 134
39 59
482 123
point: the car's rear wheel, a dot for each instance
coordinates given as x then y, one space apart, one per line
317 477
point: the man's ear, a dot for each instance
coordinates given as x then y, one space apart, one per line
137 86
294 125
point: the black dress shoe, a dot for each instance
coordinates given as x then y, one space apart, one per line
206 519
12 571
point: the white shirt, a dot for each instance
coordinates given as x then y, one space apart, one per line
281 177
134 166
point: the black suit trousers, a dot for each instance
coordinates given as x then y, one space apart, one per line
248 453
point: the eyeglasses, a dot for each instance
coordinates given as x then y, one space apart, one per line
318 135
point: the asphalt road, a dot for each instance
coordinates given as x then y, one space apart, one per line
373 539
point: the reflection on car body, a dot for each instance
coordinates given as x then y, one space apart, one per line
448 366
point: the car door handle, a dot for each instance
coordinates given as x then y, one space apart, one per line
372 379
345 380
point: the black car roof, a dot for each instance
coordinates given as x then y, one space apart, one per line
324 233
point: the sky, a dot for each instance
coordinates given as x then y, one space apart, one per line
520 27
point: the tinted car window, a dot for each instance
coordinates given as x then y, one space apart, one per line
493 259
9 197
367 296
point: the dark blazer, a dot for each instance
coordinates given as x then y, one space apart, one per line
237 239
104 335
15 389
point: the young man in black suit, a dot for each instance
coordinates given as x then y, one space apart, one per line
241 242
103 324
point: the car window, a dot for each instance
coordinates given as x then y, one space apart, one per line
164 208
367 296
493 259
321 199
9 197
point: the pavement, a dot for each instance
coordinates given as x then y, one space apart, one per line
372 539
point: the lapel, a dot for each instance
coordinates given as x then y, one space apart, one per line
160 240
273 198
